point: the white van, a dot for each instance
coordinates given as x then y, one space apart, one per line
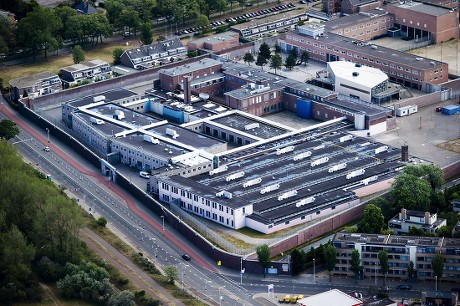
144 174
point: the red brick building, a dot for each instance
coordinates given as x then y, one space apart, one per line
216 42
418 20
404 68
205 77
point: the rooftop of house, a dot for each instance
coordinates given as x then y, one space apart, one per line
85 65
159 47
32 80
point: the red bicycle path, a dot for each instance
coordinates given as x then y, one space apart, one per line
131 205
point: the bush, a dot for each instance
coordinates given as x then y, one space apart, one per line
192 53
102 221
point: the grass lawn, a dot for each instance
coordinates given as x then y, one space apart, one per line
54 62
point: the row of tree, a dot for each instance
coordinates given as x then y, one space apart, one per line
265 56
39 228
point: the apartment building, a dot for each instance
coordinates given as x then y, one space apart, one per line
401 251
35 85
404 68
94 70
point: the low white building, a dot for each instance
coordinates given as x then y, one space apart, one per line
357 81
402 222
332 297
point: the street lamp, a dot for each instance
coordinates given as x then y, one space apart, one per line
375 278
436 282
163 219
48 131
314 271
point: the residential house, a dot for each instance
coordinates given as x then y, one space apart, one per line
148 56
95 70
402 222
35 85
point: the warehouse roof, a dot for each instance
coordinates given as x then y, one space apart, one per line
356 73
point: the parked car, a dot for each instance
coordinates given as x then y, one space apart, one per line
303 2
144 174
46 149
438 109
186 257
404 287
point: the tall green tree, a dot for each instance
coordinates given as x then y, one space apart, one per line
44 36
261 61
429 172
171 274
116 54
129 18
248 58
263 255
114 9
8 129
123 298
383 258
78 54
264 50
64 13
304 57
276 62
146 33
298 261
410 270
410 192
7 35
438 267
372 221
330 259
202 22
355 263
277 48
290 62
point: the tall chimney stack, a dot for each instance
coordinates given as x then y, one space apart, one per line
187 91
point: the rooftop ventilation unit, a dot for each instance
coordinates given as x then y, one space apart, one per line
270 188
288 194
355 173
305 201
218 170
302 156
319 161
284 150
172 133
252 182
234 176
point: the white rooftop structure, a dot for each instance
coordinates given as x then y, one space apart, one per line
332 297
357 80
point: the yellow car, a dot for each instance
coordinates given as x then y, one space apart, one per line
294 299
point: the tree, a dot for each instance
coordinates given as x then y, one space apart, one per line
263 255
202 22
429 172
264 50
78 54
248 58
438 267
116 54
171 274
129 18
146 33
276 62
192 53
410 270
8 129
114 9
290 62
46 35
330 258
294 52
415 231
102 221
261 61
298 261
123 298
410 192
372 221
304 57
355 263
383 258
277 48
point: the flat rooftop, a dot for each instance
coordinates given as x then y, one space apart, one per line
111 95
132 117
31 80
379 239
293 171
190 67
376 52
353 19
419 7
250 126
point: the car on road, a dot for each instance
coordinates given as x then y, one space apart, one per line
404 287
186 257
144 174
46 149
385 289
303 2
